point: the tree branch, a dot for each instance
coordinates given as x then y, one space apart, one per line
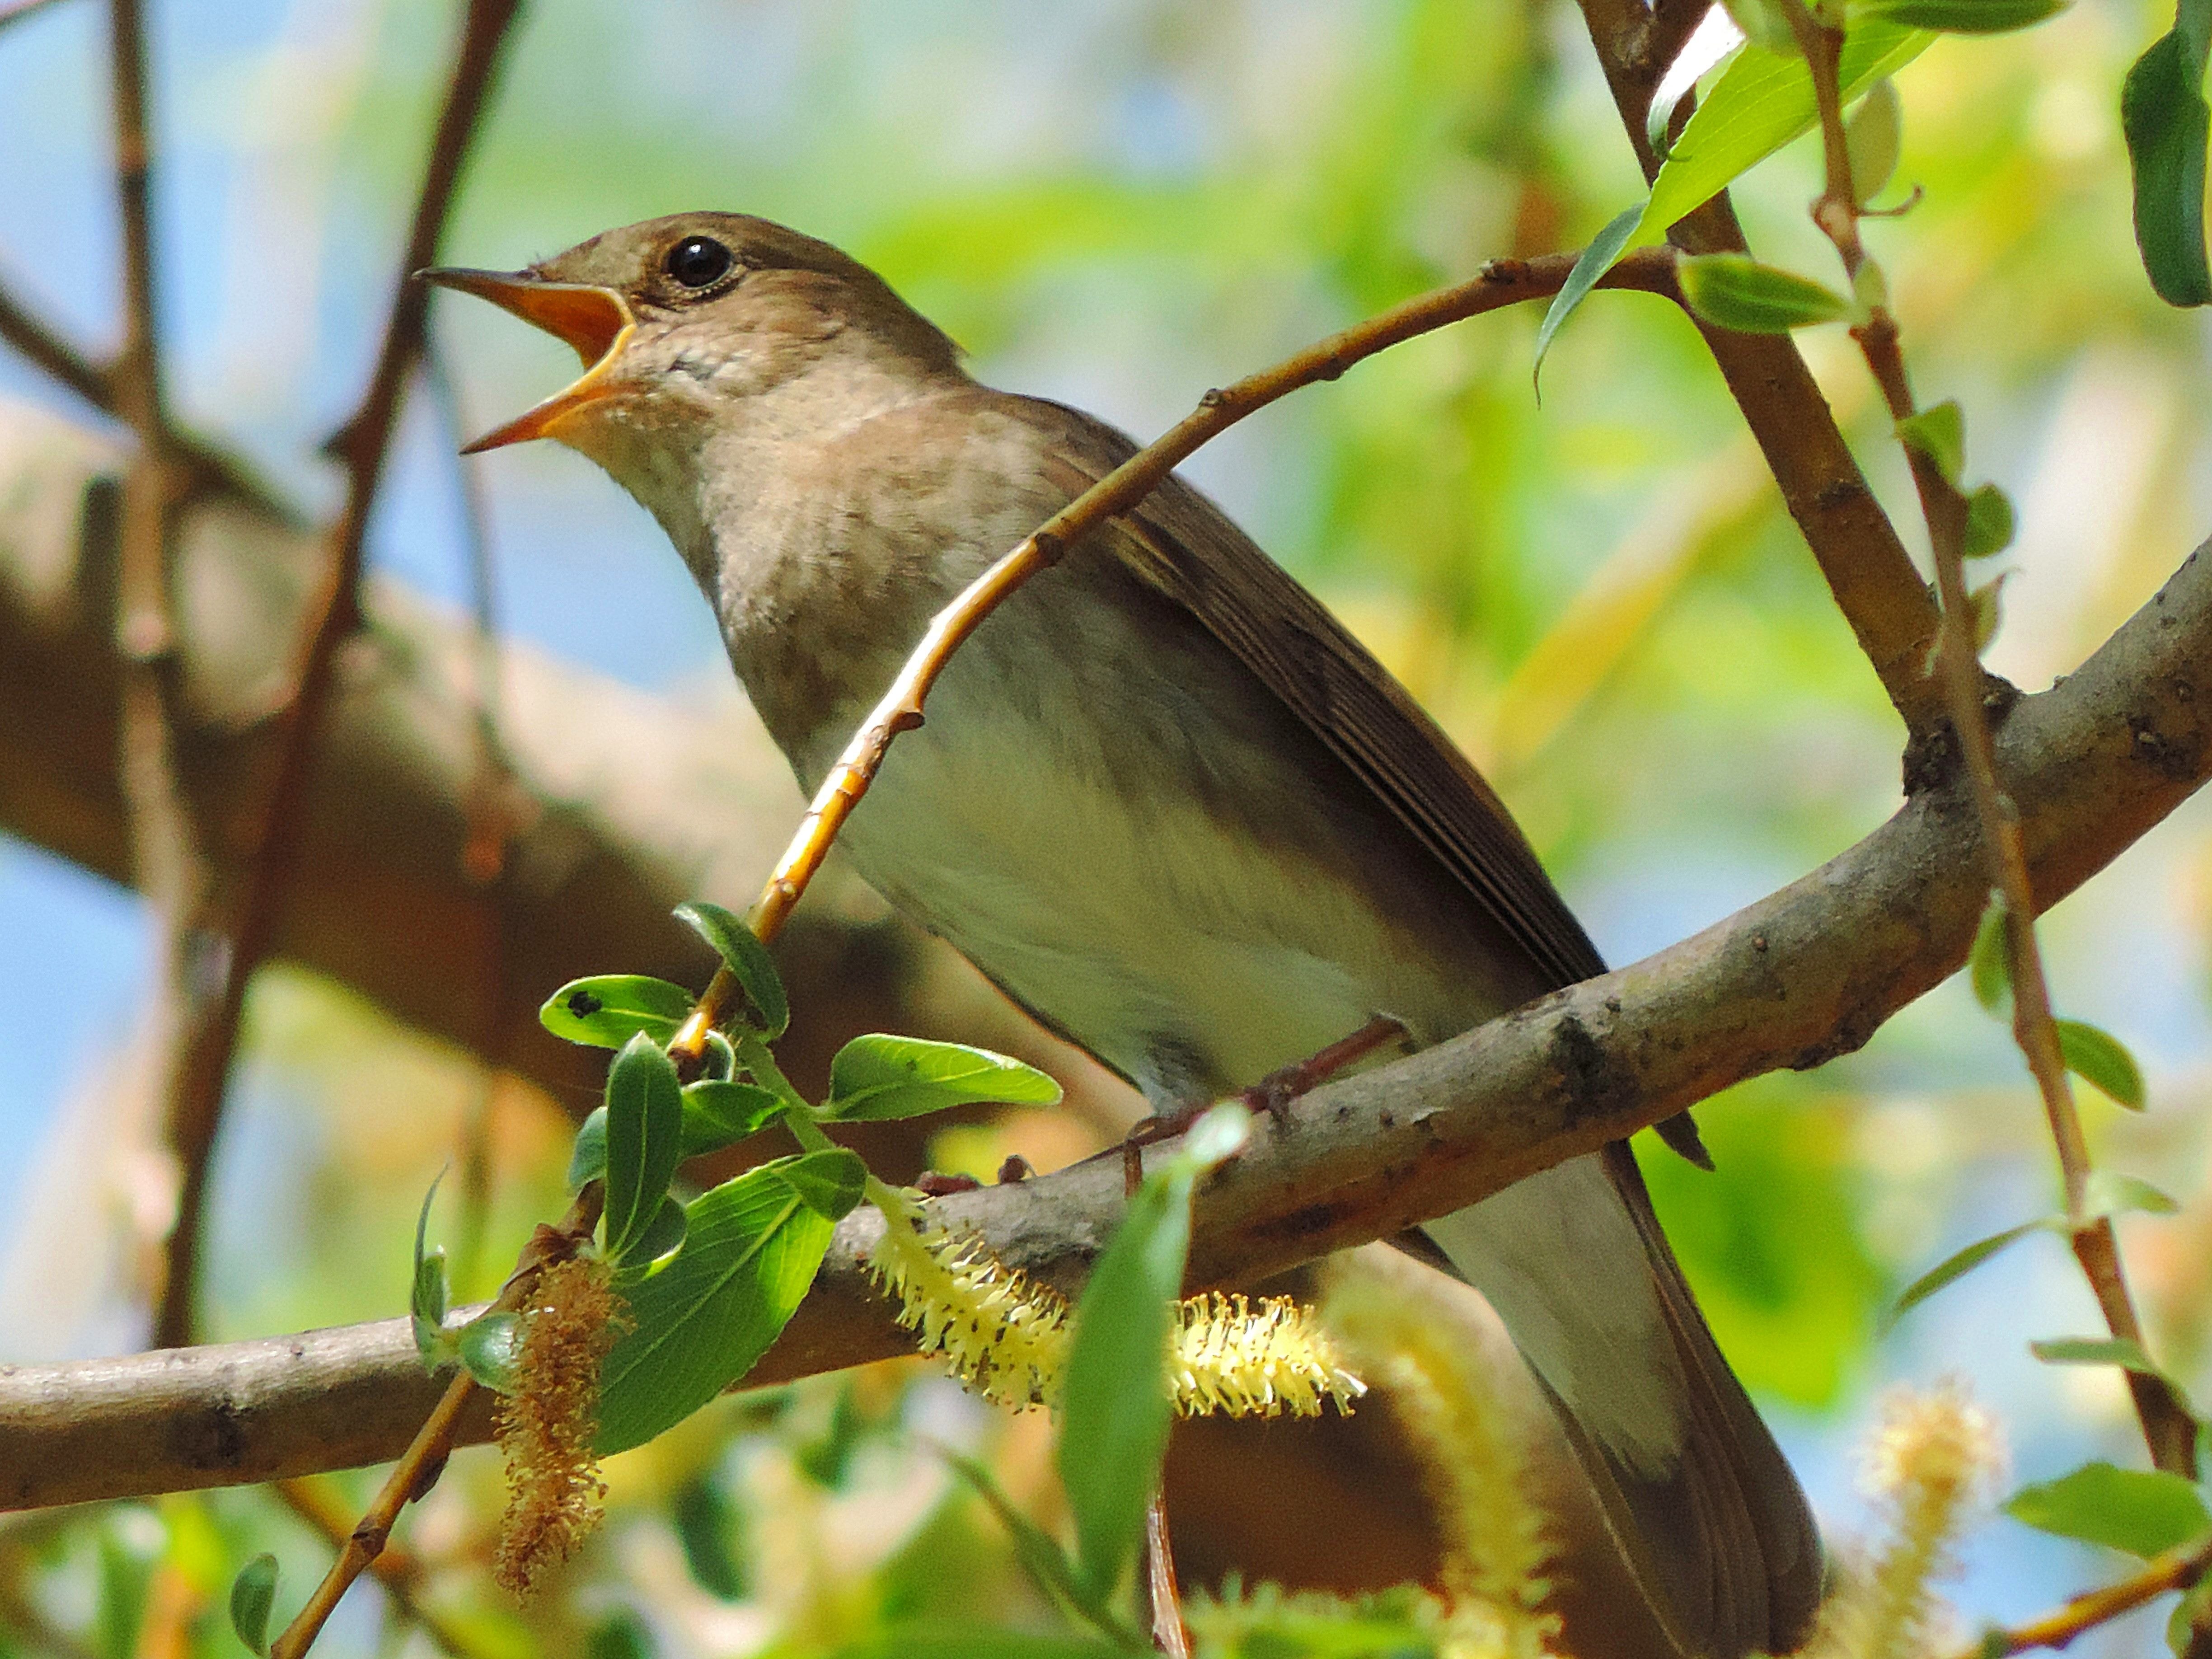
1805 975
196 1104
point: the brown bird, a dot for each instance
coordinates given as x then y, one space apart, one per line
1164 800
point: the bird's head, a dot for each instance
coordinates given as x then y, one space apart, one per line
685 324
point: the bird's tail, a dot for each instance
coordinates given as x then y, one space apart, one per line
1694 1490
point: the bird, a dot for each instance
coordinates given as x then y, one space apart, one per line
1163 798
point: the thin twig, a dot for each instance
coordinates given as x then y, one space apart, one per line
396 1573
167 843
424 1460
365 440
2168 1429
1500 283
2175 1569
48 351
16 10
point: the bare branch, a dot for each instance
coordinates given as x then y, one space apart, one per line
197 1103
1806 974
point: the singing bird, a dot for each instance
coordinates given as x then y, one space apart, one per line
1164 800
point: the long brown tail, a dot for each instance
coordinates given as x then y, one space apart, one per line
1697 1494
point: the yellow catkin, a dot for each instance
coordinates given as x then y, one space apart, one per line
1399 1330
1007 1337
546 1426
1932 1459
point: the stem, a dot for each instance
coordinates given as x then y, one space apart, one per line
2168 1429
2176 1569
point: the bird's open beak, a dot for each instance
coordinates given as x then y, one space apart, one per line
596 321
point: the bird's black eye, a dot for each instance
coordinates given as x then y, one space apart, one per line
700 262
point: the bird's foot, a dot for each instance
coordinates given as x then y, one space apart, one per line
1273 1093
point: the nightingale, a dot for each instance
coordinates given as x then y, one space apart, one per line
1164 800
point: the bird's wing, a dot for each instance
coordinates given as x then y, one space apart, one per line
1183 546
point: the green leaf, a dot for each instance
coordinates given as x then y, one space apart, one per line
882 1077
1957 1266
607 1010
1116 1405
662 1235
1873 136
2101 1058
1762 100
710 1524
1963 16
1735 291
2094 1351
1990 524
1986 610
1762 22
718 1113
620 1635
829 1182
2141 1512
645 1138
1038 1553
490 1349
2181 1623
426 1303
1989 964
253 1593
1939 432
1591 264
2164 116
2109 1193
749 1250
748 962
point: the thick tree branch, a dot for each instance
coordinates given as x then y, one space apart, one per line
1803 975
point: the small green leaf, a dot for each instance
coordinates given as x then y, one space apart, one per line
1986 612
663 1235
1039 1554
427 1303
2108 1192
1989 964
748 961
2141 1512
710 1524
1990 524
1963 16
1957 1266
718 1114
1116 1405
620 1635
1873 136
253 1593
1939 432
490 1347
1591 264
697 1324
588 1158
608 1009
2094 1351
2181 1624
645 1139
1735 291
2164 116
882 1077
829 1182
2101 1058
1763 23
1763 100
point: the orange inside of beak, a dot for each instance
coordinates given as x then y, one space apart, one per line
595 322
